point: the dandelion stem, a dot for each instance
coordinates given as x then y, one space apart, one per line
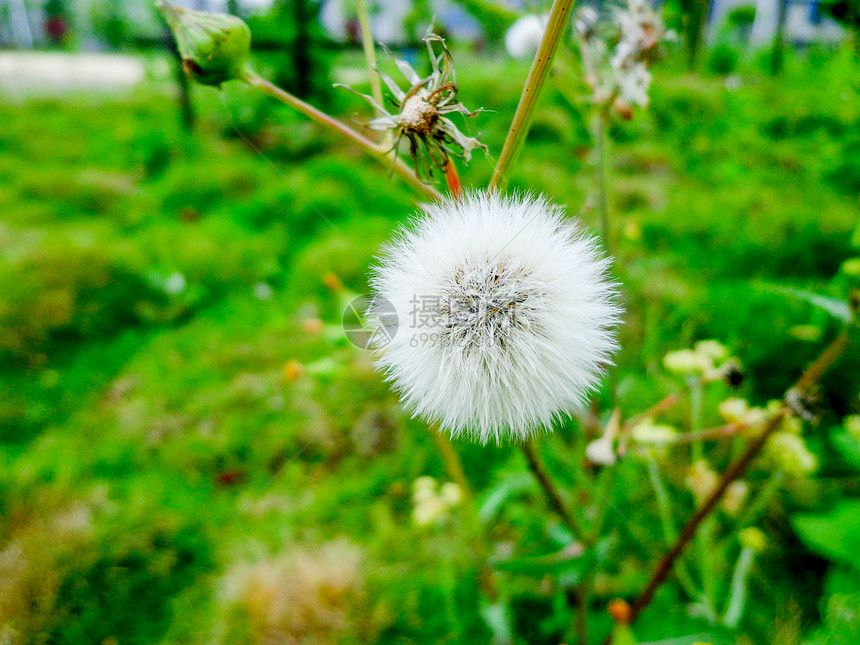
736 470
453 463
377 152
552 494
558 19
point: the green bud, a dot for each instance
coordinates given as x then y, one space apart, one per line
214 46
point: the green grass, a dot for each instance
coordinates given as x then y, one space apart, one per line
151 442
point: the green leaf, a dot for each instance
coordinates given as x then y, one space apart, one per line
500 494
837 308
835 534
571 562
849 447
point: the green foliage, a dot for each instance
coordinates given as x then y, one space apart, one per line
182 416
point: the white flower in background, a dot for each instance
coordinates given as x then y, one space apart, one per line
701 480
623 80
506 314
523 37
633 84
263 291
708 358
736 494
686 361
432 505
601 451
641 28
648 432
451 493
175 283
713 349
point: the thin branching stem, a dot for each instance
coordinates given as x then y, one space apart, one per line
736 470
558 19
376 151
552 495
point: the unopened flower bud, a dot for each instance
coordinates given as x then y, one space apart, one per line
214 46
753 538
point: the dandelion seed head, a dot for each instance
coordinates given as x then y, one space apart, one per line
506 313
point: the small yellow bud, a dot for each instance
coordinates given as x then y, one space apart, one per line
293 370
851 267
852 425
620 611
214 46
753 538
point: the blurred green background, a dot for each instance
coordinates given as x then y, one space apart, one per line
191 451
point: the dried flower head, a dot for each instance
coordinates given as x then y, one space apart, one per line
623 80
506 315
422 111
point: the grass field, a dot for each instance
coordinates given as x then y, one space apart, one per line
191 451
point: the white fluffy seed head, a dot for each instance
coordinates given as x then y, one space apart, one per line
506 315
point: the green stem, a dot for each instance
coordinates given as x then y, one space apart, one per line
376 151
453 464
696 418
761 501
601 175
558 19
369 51
737 596
669 531
812 375
552 495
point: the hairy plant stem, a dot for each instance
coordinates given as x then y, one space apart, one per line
558 18
453 463
378 152
600 132
552 495
369 51
736 470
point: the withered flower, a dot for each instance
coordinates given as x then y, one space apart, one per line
422 111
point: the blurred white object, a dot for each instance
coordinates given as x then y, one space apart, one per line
57 72
524 36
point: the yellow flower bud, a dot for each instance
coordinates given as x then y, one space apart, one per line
753 538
